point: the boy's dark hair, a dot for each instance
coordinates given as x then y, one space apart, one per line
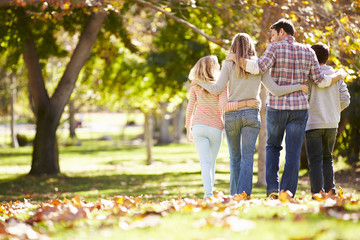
284 24
321 51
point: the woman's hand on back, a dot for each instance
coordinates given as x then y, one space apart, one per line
231 57
304 88
253 103
193 83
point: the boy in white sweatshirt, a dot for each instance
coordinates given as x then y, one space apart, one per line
325 109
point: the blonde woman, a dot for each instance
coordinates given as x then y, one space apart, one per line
204 125
242 126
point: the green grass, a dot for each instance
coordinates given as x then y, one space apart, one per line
105 169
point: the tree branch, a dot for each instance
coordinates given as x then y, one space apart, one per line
31 59
78 59
4 3
221 42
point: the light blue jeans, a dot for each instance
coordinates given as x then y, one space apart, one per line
207 141
242 129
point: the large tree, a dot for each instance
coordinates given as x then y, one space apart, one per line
33 28
49 109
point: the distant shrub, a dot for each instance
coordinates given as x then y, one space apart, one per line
23 140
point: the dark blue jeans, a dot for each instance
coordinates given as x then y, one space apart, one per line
242 129
279 122
319 147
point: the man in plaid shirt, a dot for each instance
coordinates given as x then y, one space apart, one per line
290 63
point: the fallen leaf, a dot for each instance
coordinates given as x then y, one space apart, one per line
341 193
285 196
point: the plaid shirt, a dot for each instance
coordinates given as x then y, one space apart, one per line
290 63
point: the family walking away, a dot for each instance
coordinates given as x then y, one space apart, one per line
285 69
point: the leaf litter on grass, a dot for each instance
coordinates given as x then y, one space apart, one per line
128 212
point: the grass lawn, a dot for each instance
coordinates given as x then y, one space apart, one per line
107 168
122 197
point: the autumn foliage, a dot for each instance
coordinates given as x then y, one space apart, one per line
127 212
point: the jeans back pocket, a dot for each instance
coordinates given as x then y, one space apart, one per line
230 120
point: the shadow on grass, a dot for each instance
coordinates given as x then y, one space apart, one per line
155 186
91 188
92 149
15 154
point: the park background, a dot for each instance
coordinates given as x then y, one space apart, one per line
96 92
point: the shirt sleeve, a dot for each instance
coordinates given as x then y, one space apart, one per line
252 66
220 84
275 89
224 104
344 95
267 60
190 107
328 78
326 82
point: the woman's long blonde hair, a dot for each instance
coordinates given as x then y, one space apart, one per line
243 47
205 70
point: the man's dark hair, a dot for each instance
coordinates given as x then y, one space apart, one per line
284 24
321 51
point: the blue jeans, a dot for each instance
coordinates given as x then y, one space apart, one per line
319 147
207 141
293 122
242 129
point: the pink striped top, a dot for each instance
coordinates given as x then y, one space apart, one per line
209 108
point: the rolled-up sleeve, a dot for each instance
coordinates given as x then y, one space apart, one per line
326 82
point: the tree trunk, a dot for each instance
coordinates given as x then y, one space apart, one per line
178 122
262 140
148 135
14 141
72 122
164 137
270 15
45 158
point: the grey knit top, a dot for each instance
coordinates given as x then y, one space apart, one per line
326 103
